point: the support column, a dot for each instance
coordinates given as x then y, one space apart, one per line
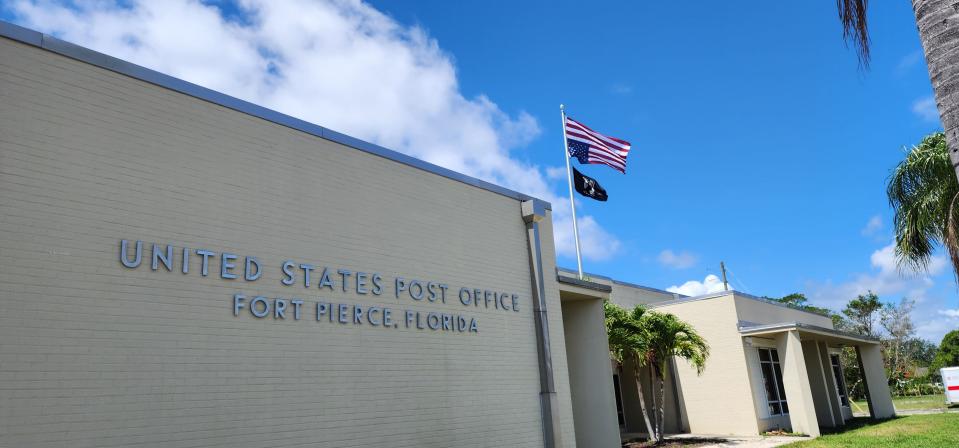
590 374
831 387
802 409
533 212
822 395
874 375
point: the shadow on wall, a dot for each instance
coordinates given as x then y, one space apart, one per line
677 421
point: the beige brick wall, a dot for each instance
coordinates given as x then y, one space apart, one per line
625 294
720 401
758 312
96 354
629 296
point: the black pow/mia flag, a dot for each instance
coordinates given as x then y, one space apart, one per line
587 186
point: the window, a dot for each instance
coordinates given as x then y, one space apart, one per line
840 379
773 381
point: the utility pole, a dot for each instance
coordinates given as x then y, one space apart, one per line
722 267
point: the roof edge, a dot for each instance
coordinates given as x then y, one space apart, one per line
743 295
775 303
618 282
584 283
754 329
47 42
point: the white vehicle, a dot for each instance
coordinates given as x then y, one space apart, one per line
950 384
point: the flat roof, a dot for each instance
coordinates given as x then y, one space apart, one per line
83 54
737 294
680 298
584 283
764 329
560 270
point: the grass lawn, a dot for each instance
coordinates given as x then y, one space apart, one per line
921 403
913 431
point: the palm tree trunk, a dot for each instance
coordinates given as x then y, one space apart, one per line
652 388
661 409
938 22
642 400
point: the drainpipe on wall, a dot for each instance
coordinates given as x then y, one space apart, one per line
534 211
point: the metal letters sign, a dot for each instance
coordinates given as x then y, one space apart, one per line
327 280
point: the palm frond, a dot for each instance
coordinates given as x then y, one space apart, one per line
921 192
951 238
627 338
852 15
672 337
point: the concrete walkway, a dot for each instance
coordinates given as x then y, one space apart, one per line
950 410
714 441
744 441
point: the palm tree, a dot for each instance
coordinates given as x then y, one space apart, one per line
648 338
938 24
628 341
671 338
923 193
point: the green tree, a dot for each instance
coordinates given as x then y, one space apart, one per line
848 359
948 354
651 339
841 323
896 319
860 317
862 312
629 342
923 352
671 338
922 192
798 300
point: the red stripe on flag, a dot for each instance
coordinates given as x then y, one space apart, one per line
623 145
594 159
587 128
577 135
575 127
607 160
601 149
608 153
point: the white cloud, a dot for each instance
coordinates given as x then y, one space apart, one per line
873 226
925 108
934 326
595 242
340 64
953 314
709 285
885 260
885 280
890 282
556 173
680 260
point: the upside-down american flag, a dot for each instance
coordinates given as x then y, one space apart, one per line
589 146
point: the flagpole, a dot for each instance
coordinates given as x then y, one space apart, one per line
572 203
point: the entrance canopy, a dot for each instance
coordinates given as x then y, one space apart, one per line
806 331
808 378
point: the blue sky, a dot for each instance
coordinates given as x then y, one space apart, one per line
756 138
